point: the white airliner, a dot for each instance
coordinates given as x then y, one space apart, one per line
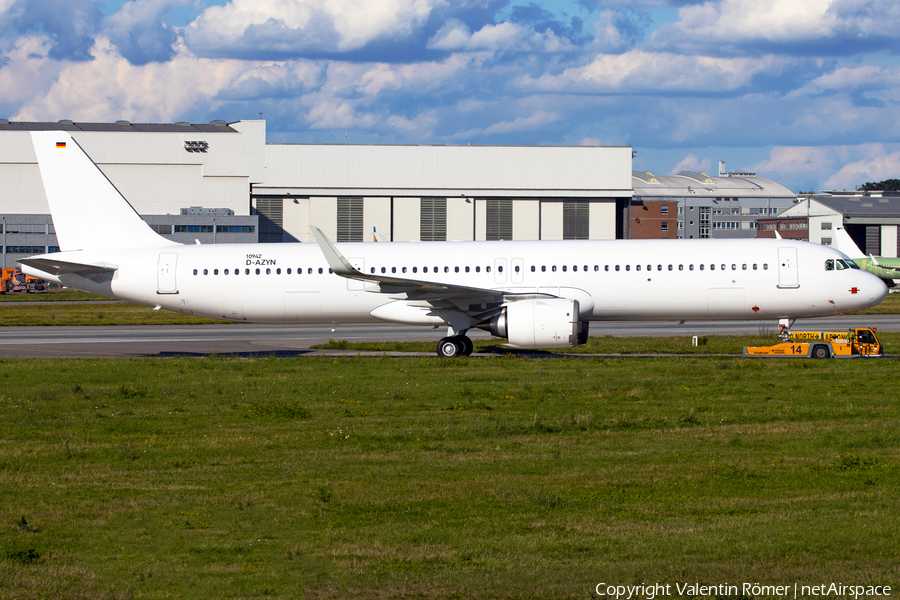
536 294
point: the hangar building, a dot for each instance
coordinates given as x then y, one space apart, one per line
708 206
871 218
221 182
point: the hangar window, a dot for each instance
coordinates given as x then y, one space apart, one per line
576 220
350 219
433 220
498 219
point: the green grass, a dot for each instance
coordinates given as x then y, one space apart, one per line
888 306
714 344
113 313
428 478
55 295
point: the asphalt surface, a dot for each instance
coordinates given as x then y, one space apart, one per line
294 340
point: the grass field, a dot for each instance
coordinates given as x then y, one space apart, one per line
428 478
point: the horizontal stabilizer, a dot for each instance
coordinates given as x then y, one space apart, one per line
53 266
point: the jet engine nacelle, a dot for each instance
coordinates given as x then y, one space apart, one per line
538 323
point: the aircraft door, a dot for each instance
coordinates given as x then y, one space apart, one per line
517 270
787 268
165 273
360 265
499 270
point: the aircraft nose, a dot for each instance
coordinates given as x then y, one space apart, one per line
867 291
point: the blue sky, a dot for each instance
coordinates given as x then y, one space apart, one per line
803 92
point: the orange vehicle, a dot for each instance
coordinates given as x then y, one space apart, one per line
857 342
13 280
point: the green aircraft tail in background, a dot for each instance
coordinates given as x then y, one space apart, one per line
886 268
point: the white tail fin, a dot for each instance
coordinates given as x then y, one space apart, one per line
88 211
844 243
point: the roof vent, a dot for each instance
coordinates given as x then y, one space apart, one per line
123 123
183 124
4 121
66 122
219 123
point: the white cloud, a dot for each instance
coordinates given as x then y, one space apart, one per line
640 71
109 88
734 21
876 164
839 167
416 77
456 35
692 163
244 27
589 141
27 72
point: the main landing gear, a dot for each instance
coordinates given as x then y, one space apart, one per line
457 345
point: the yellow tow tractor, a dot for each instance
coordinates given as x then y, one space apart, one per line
860 341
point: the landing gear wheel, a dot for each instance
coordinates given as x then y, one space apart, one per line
468 346
449 347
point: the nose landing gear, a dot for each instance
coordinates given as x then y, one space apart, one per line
457 345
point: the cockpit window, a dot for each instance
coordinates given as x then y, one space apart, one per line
829 264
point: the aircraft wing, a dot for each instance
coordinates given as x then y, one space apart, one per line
414 289
48 264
